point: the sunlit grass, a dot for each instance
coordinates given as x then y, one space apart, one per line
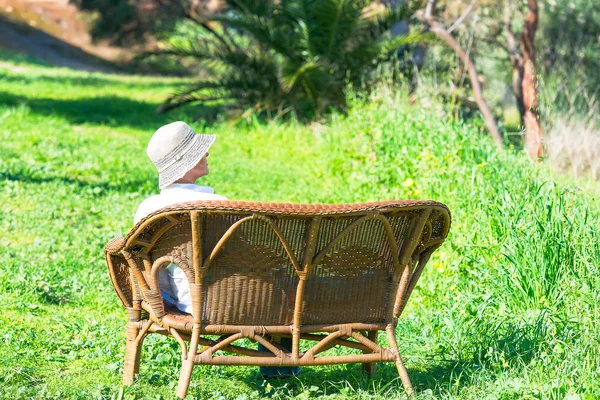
508 308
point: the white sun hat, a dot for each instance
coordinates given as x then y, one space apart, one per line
175 149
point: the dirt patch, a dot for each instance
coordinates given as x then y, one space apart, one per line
56 32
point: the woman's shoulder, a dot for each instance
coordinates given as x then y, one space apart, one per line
156 202
148 206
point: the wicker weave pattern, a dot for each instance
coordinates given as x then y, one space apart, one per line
262 270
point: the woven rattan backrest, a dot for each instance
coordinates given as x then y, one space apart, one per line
249 258
354 279
252 278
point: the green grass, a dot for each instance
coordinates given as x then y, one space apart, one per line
507 309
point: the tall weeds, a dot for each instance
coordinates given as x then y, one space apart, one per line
520 234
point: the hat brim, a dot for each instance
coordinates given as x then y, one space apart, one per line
189 160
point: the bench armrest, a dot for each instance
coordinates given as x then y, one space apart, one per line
118 270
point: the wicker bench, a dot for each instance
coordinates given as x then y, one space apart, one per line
331 274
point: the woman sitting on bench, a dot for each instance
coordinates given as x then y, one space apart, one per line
181 158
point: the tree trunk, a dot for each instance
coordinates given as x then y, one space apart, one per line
533 127
439 29
516 60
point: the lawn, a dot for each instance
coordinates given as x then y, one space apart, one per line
507 308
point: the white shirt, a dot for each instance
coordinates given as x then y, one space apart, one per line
172 194
174 285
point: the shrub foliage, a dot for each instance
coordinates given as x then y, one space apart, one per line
289 55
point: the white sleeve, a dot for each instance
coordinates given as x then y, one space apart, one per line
174 287
210 196
166 287
156 202
142 211
147 207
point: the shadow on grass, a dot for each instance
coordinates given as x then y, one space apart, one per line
141 184
327 380
110 110
18 58
95 81
348 379
437 377
497 351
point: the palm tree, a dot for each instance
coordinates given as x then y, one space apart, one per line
287 55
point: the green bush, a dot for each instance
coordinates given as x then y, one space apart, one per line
287 56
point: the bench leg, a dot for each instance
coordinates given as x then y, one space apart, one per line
187 365
370 368
399 364
404 377
133 351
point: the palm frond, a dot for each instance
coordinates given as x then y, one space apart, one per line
200 91
300 16
291 74
260 29
297 55
260 8
199 49
337 21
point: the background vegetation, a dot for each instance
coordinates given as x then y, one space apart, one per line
290 57
236 48
508 307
